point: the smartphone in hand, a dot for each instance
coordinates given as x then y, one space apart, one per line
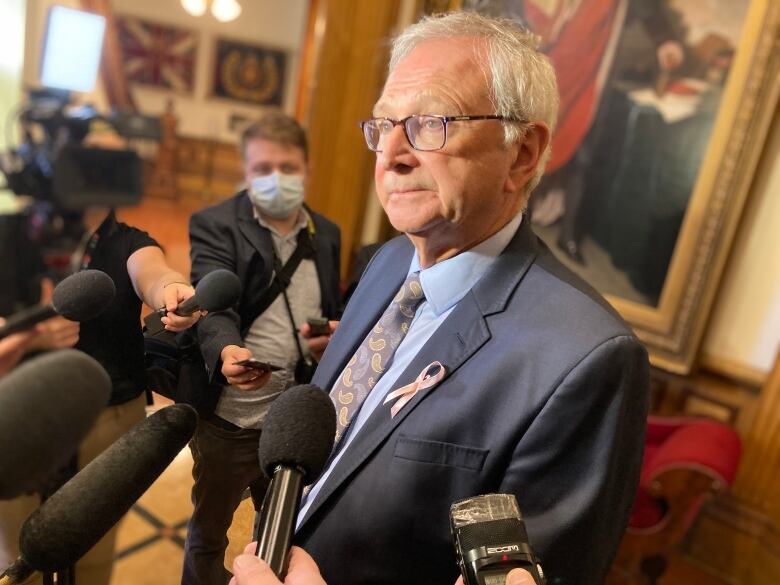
258 365
318 326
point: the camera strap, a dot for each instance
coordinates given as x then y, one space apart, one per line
92 244
89 250
305 248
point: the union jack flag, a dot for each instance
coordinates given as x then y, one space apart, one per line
156 54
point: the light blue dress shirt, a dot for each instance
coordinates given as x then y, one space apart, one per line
444 284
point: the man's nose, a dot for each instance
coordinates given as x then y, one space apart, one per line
396 149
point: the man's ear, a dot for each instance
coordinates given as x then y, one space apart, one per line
530 152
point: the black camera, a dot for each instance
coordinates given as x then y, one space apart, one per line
52 165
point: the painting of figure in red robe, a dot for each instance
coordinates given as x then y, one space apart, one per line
640 84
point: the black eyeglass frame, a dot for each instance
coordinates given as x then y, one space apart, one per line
445 120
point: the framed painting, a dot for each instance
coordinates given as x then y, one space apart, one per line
249 73
665 105
157 55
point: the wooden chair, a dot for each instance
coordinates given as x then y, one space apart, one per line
686 460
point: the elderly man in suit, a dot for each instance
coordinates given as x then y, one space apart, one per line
469 360
287 258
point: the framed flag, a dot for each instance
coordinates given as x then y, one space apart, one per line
156 54
249 73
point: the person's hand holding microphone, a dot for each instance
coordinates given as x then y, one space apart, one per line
249 570
12 348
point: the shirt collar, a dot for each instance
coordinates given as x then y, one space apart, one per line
303 221
447 282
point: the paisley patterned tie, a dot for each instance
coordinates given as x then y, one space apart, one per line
374 355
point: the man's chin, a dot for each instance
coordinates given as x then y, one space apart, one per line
412 217
415 227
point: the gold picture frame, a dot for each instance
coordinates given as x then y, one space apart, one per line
672 324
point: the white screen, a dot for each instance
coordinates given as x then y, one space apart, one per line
71 53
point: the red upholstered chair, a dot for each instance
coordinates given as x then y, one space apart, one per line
685 461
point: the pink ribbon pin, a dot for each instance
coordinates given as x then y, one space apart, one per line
424 381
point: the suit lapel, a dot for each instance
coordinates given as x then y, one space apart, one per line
463 333
382 280
259 238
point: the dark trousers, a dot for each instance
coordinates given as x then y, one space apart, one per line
225 464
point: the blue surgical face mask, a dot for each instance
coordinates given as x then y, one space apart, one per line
277 195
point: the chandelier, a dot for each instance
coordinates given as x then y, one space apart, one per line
222 10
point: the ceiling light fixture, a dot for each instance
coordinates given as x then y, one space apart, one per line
222 10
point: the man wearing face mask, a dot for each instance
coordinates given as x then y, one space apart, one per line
287 258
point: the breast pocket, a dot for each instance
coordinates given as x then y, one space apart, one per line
440 453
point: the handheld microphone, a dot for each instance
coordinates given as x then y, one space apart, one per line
296 441
217 291
80 513
490 540
80 297
47 406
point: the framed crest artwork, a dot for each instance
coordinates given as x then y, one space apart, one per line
664 109
157 55
249 73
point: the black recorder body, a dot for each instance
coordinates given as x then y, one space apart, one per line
490 540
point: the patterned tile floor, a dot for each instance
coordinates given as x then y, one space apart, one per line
150 543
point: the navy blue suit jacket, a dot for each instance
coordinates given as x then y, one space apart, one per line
545 397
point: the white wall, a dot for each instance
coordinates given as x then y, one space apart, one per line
745 324
11 60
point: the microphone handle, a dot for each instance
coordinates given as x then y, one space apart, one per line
26 319
277 518
17 573
186 308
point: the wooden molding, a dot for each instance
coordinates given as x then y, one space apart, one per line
758 479
348 73
736 542
739 535
733 370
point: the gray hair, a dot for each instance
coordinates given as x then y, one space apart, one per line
523 84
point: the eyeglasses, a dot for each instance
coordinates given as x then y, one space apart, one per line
424 132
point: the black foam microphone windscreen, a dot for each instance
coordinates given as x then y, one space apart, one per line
295 444
298 431
217 291
84 295
80 297
72 520
47 405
